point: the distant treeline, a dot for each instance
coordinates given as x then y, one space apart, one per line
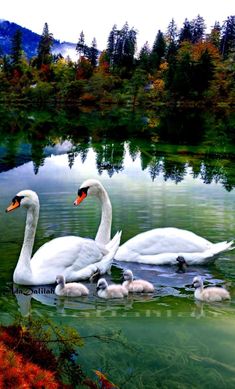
184 67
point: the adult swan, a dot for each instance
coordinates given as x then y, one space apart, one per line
160 246
74 257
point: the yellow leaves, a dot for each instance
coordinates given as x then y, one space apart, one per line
159 85
164 66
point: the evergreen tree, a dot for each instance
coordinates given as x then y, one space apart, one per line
44 47
203 72
228 37
121 49
93 53
214 36
158 51
186 32
81 47
171 39
16 49
172 32
144 57
198 29
112 39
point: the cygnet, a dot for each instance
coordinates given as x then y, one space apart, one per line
70 289
211 293
136 286
113 291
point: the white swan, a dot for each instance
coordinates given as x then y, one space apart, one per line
211 293
113 291
70 289
75 257
161 246
136 286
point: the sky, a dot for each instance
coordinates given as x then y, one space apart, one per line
66 19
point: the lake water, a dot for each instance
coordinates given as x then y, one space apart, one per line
163 341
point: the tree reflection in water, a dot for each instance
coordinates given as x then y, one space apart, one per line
34 136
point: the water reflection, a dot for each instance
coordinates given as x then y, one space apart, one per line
166 280
110 135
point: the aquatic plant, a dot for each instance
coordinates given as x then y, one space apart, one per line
39 354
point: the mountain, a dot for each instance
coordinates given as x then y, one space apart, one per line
30 41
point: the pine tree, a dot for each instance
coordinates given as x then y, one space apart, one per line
121 48
186 32
171 40
144 57
158 51
198 29
81 47
44 47
112 39
16 49
172 32
228 37
214 36
93 53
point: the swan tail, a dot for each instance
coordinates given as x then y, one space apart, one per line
100 267
106 263
221 247
115 242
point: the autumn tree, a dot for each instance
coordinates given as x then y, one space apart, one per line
204 56
214 36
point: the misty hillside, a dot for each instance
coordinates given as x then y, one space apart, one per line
30 41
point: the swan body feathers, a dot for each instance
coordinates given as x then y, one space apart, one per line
74 257
161 246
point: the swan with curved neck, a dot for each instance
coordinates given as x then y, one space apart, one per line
160 246
74 257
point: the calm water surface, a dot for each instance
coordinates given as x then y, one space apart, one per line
165 341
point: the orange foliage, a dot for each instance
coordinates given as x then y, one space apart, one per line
103 63
16 372
159 85
195 51
105 383
198 49
84 69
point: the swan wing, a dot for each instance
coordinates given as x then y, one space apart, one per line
64 255
162 240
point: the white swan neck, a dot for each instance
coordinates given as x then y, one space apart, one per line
23 267
104 231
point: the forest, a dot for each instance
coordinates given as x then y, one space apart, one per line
184 66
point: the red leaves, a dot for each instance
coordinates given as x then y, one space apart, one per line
105 383
16 372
